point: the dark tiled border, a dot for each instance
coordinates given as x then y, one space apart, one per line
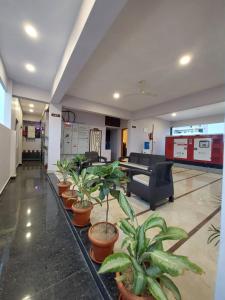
194 230
105 282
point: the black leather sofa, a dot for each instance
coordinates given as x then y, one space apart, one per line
154 186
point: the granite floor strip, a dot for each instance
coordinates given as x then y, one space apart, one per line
197 189
192 176
194 230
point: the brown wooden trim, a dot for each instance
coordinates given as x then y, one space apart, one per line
199 188
194 230
190 177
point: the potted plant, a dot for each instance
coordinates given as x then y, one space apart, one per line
85 186
144 270
64 167
79 162
103 235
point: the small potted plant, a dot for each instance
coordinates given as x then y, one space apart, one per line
79 162
144 271
85 186
103 235
64 167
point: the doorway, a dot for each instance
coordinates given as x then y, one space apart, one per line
124 141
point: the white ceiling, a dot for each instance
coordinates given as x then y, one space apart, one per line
197 112
145 42
54 20
38 108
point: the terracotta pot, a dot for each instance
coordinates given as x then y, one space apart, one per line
101 249
125 294
63 187
81 216
68 198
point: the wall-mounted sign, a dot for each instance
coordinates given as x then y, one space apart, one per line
55 115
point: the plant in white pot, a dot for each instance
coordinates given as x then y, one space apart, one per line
103 235
145 269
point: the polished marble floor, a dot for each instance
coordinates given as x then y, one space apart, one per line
40 259
195 208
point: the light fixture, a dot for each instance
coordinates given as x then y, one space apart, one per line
31 110
30 67
31 105
30 30
185 59
28 211
28 235
28 297
173 114
28 224
116 95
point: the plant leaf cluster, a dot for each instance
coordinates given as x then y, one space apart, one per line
152 267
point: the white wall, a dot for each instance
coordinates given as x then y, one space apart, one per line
17 114
5 137
32 117
137 136
220 286
203 120
54 136
3 76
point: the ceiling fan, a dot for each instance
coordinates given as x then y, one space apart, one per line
141 91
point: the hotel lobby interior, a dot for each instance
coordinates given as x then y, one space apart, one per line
112 150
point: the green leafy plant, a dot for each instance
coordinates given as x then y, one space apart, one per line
214 235
64 168
78 160
108 177
85 185
214 231
149 266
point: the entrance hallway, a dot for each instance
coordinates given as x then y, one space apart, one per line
39 257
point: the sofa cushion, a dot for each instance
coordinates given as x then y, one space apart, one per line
133 165
143 179
98 163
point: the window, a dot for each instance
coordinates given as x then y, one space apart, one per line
2 104
216 128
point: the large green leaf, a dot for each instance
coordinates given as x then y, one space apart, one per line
127 228
125 206
141 243
156 246
153 271
137 267
116 262
174 265
155 221
155 289
172 233
139 283
170 285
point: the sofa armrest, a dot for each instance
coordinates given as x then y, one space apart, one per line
102 158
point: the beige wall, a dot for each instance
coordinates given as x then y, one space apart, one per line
5 137
137 136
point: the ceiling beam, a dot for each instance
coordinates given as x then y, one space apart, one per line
93 107
95 18
30 92
206 97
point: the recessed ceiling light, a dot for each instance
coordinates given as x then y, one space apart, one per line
116 95
185 59
30 67
31 110
31 105
30 30
173 114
